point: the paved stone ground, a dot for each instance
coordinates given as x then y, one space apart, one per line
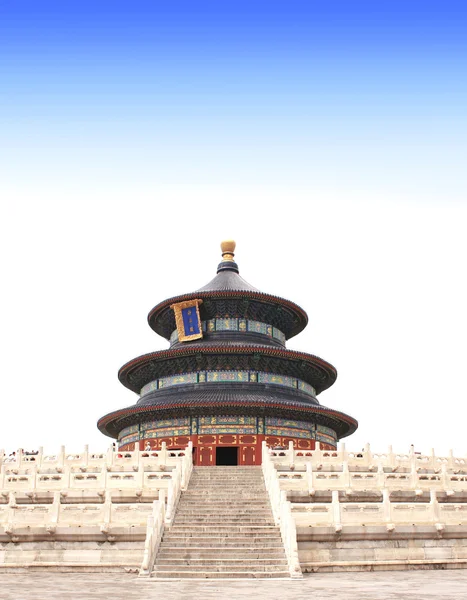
382 585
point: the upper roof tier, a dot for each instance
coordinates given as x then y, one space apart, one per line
229 295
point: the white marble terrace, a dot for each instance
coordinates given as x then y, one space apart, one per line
350 475
115 505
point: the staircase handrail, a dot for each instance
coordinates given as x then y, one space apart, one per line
173 494
187 466
179 482
154 533
160 516
282 513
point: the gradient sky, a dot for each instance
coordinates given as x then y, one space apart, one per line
329 136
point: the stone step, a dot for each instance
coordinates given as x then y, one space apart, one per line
223 499
210 542
223 528
227 477
216 485
219 504
223 484
234 497
223 492
226 510
171 564
216 489
226 481
232 484
216 516
159 574
196 529
211 491
236 474
224 552
230 467
260 568
221 520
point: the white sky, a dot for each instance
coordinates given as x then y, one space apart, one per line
381 275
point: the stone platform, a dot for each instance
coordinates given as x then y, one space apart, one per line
414 585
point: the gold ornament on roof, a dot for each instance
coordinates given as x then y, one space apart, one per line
228 249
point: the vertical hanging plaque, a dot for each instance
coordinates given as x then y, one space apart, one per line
188 320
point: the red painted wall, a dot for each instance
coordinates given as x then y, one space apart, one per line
205 446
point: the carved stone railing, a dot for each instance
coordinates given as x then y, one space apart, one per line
162 517
173 494
282 513
154 533
119 471
187 466
366 458
65 491
111 458
305 477
391 515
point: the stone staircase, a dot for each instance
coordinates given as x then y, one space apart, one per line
223 528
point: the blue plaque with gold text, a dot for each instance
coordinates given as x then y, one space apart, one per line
188 320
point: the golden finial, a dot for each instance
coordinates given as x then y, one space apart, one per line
228 249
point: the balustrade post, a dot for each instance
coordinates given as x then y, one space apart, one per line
413 474
336 511
2 456
187 465
19 457
391 457
61 456
107 511
309 478
445 479
434 506
140 476
368 455
170 501
2 477
346 481
34 478
103 477
110 457
163 454
67 476
39 457
342 451
85 460
451 459
380 475
387 508
433 458
291 454
54 513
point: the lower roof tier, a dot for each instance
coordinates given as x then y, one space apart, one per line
313 370
226 399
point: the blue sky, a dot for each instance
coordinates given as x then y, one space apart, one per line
201 90
327 137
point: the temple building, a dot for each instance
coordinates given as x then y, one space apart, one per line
227 383
283 498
